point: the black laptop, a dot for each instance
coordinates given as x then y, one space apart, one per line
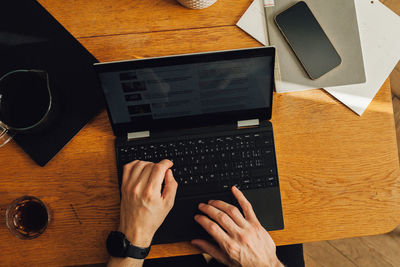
208 113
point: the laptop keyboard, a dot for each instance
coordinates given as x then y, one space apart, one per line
213 164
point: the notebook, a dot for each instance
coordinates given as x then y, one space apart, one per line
339 20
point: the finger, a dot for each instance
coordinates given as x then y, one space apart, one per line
220 217
135 173
229 209
213 229
244 204
158 174
144 176
212 250
170 187
127 171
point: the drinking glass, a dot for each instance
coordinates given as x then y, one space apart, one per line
27 217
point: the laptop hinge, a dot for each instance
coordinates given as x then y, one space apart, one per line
248 123
138 135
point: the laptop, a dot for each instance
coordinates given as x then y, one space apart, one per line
208 113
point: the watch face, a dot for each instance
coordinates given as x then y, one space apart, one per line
117 244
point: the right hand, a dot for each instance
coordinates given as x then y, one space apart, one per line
241 241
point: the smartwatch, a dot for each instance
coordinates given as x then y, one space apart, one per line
119 246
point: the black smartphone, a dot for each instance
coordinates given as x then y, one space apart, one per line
308 40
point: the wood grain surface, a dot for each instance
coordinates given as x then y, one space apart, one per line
339 172
87 18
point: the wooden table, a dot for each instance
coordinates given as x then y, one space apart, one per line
339 172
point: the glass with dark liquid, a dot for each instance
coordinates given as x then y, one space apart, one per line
27 217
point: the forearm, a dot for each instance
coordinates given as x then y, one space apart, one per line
125 262
144 206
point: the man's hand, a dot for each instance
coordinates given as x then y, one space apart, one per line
241 241
143 205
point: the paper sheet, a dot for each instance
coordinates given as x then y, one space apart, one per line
380 41
253 22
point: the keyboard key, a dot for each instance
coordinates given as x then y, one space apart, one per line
246 186
258 180
259 185
246 181
265 141
225 187
270 170
235 183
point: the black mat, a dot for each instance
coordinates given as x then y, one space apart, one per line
30 38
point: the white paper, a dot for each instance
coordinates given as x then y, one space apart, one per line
253 22
380 42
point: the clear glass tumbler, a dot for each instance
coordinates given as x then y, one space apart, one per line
27 217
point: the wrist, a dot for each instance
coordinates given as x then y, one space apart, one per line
138 238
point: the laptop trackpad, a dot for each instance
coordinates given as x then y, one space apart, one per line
180 224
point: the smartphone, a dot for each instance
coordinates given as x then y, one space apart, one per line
308 40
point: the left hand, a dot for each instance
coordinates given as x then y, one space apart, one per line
143 205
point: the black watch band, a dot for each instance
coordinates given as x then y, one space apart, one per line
137 252
119 246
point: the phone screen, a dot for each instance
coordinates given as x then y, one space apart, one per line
308 40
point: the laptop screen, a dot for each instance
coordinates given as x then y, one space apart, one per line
144 94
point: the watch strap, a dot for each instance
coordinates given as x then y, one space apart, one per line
137 252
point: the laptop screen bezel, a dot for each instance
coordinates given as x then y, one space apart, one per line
212 119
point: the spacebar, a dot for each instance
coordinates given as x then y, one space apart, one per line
197 189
